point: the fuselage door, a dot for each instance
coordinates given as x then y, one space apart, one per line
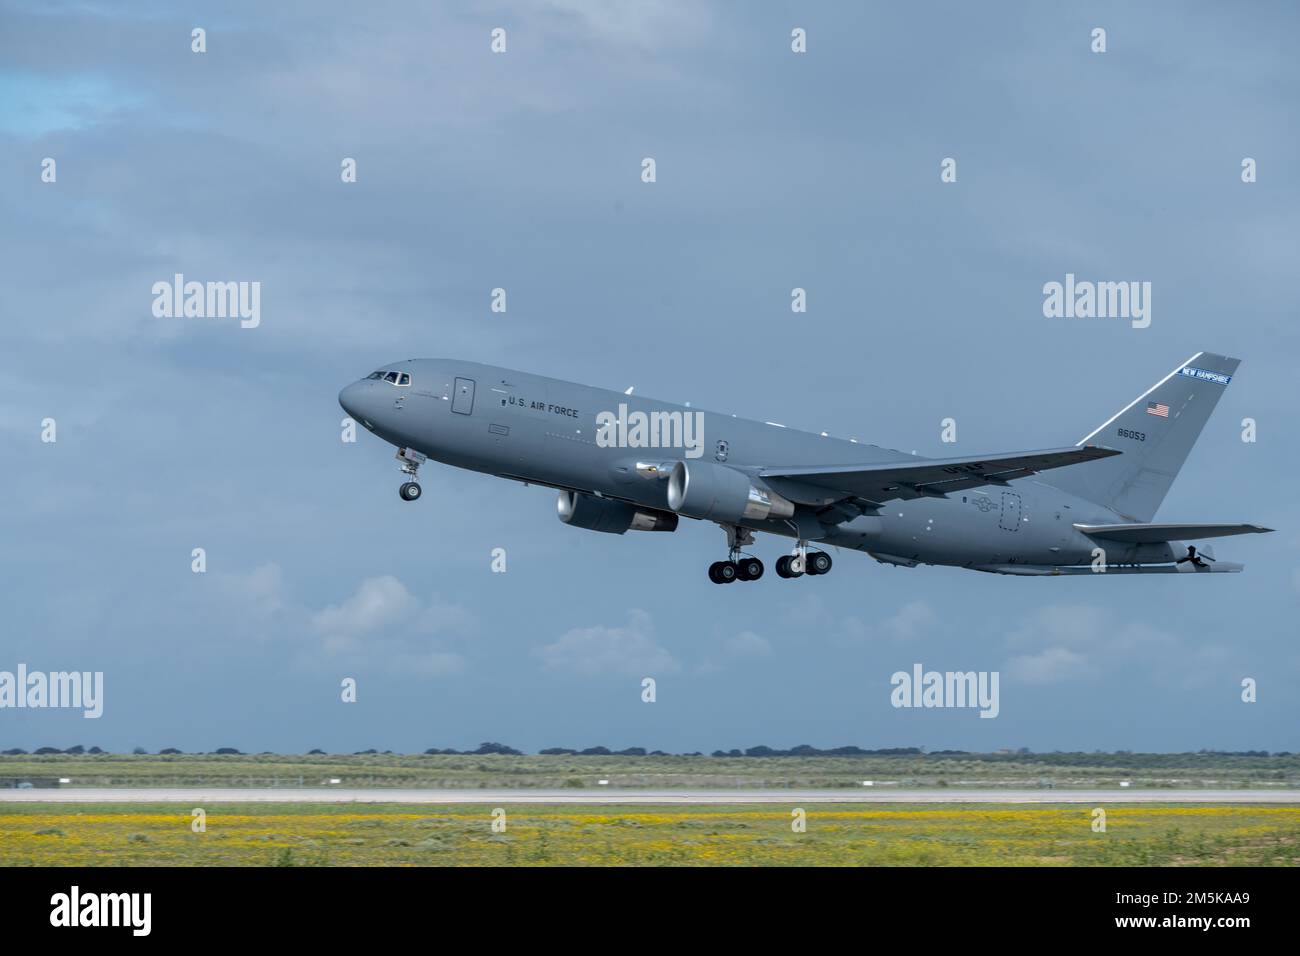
1010 520
462 402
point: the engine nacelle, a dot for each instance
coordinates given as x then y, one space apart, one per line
611 517
702 489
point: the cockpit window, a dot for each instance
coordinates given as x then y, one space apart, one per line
395 378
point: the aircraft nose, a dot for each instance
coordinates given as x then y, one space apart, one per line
351 398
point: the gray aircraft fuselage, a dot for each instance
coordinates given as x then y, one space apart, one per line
544 431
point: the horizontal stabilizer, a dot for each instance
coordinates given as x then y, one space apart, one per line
933 477
1158 533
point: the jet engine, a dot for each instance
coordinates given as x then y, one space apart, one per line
613 517
702 489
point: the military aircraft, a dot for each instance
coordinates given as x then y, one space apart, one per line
626 463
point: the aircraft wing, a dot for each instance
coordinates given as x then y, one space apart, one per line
933 477
1158 533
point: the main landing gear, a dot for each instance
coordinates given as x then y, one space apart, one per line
411 461
803 562
737 567
744 567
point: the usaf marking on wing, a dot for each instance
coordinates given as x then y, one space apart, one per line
1026 513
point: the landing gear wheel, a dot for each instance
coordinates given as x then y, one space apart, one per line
783 567
819 562
409 491
749 569
722 572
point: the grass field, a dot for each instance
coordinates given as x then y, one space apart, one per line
1062 770
836 835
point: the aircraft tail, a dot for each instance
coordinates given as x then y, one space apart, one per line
1155 432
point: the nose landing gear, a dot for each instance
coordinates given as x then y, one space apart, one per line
411 461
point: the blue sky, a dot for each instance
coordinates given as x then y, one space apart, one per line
522 171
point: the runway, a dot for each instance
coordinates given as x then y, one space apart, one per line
609 796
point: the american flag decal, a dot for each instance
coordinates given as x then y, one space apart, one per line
1157 408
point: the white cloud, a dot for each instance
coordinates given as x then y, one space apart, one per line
426 662
1082 641
1070 625
648 24
378 602
910 622
1045 667
258 593
383 623
747 644
729 648
629 651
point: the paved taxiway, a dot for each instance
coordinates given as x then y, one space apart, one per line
604 795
